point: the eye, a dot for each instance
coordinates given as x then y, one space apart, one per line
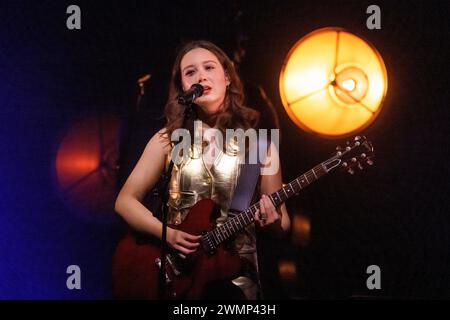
189 73
209 67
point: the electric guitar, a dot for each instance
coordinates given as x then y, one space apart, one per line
136 266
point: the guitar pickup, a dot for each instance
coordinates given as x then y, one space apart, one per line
208 243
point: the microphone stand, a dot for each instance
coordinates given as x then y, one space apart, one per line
165 179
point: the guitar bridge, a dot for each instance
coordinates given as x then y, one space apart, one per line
171 263
158 264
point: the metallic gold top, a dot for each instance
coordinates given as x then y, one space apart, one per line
195 179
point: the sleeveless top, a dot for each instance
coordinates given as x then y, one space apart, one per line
214 176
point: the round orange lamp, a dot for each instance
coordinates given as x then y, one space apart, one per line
333 83
86 166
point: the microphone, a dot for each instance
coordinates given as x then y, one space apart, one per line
190 95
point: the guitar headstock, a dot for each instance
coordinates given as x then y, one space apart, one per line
354 155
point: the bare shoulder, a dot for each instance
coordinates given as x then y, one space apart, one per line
160 142
149 166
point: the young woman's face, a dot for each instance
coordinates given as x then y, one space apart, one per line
202 66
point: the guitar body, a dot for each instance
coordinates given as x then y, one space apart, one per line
136 273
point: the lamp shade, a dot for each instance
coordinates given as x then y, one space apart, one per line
333 83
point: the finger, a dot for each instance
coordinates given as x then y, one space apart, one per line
189 245
269 203
273 214
184 250
258 218
262 205
257 215
191 237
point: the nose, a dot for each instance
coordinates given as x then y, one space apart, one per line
201 76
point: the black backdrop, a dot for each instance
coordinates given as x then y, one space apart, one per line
394 215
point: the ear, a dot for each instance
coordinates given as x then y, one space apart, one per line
227 79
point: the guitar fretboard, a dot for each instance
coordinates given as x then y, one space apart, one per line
235 224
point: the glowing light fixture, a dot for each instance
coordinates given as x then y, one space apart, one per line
333 83
86 166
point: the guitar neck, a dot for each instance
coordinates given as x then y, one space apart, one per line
235 224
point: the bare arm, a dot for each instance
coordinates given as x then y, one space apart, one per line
143 177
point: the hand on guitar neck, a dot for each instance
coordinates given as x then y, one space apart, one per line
266 214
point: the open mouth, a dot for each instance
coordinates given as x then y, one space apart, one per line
206 89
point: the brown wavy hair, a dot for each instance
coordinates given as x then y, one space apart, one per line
233 115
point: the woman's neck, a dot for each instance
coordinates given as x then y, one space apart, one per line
208 119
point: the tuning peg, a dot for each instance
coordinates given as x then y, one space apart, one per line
357 138
338 148
369 162
348 148
338 153
353 159
344 164
350 170
363 155
360 166
357 143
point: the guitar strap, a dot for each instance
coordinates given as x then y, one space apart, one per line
248 177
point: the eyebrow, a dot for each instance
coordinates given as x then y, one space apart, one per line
191 65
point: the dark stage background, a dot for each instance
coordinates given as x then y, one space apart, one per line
394 215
